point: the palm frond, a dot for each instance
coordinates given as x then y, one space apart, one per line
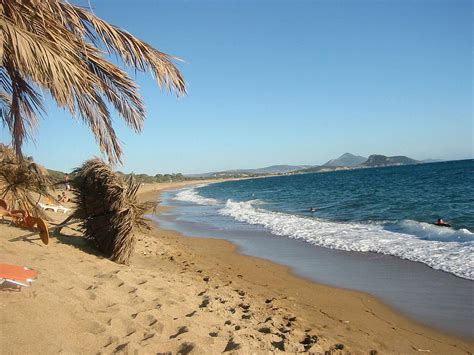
24 103
135 53
57 46
5 103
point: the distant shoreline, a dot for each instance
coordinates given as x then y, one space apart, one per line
233 174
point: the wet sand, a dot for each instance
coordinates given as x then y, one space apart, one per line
189 295
435 298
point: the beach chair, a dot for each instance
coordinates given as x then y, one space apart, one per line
53 208
48 207
63 209
22 218
16 215
16 276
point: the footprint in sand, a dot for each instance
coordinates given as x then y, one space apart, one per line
131 332
110 341
245 307
185 348
116 281
265 330
309 341
147 336
231 345
181 330
240 293
280 345
133 290
121 347
191 314
104 275
94 328
205 302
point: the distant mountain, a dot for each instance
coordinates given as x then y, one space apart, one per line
346 159
382 160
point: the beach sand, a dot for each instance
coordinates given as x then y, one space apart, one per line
189 295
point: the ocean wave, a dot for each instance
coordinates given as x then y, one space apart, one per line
427 231
191 195
440 248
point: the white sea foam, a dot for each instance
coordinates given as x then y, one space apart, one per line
428 231
440 248
191 195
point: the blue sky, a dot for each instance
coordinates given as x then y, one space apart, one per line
288 82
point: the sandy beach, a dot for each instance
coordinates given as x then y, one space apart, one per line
189 295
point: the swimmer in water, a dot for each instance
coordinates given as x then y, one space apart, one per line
442 223
312 209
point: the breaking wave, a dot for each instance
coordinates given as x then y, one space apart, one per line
191 195
440 248
444 249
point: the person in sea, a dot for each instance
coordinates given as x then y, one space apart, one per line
442 223
312 209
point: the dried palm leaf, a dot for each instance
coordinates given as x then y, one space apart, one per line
60 48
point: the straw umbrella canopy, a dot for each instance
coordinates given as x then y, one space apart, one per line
60 49
22 182
108 209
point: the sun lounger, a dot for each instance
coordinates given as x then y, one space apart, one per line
53 208
22 218
18 276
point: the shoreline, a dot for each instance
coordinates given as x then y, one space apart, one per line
292 274
409 288
190 295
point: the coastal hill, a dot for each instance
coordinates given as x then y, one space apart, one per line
349 161
382 160
346 159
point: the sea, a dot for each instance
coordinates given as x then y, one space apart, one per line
366 229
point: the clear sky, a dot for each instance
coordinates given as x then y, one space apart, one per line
288 82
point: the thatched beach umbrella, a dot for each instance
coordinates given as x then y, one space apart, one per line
22 182
108 209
